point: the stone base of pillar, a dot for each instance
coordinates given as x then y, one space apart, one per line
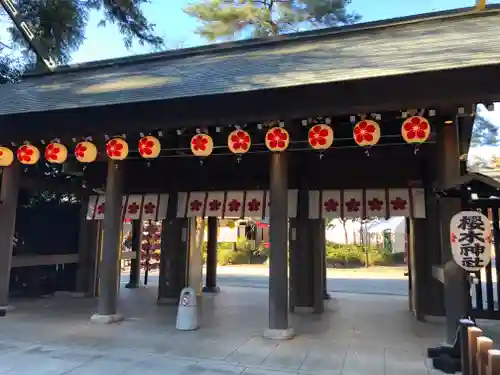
133 285
303 309
279 334
4 309
211 289
167 301
106 319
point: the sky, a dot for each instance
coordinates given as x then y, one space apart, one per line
178 28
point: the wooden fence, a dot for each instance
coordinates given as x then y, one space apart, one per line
477 353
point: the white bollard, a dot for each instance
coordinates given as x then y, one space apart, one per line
187 312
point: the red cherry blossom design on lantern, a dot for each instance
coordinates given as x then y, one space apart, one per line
214 205
375 204
146 146
453 238
240 140
149 208
195 205
114 148
133 208
51 152
416 128
331 205
398 204
80 151
364 132
24 153
1 153
100 208
234 205
277 138
253 205
318 135
353 205
199 143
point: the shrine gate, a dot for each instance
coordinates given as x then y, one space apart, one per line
359 121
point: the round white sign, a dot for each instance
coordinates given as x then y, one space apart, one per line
470 237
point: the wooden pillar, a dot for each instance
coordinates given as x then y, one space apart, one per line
211 266
278 259
135 264
109 267
174 255
418 238
456 299
84 250
9 190
322 249
301 257
318 241
94 231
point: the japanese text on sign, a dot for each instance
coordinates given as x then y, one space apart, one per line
470 233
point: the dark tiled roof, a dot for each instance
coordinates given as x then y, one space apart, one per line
431 42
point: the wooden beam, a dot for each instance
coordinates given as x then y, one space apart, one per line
480 4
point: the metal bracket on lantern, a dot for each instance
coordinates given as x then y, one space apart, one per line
367 151
416 149
238 159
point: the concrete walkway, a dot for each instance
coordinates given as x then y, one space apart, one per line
358 335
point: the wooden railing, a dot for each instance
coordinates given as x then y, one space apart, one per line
48 260
477 353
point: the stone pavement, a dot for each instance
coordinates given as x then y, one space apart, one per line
357 335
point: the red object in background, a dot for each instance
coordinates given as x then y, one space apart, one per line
261 225
266 245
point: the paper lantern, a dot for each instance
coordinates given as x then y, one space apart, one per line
28 154
6 157
366 133
202 145
56 153
277 139
239 142
320 137
149 147
86 152
117 149
416 129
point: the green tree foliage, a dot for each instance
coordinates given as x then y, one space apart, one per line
61 24
484 132
222 19
10 67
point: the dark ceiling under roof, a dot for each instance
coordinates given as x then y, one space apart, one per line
432 42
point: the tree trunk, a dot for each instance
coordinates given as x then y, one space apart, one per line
346 236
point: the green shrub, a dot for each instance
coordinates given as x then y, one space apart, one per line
340 255
229 256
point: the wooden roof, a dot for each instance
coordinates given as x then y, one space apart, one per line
432 42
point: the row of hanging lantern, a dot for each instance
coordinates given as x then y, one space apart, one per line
366 133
